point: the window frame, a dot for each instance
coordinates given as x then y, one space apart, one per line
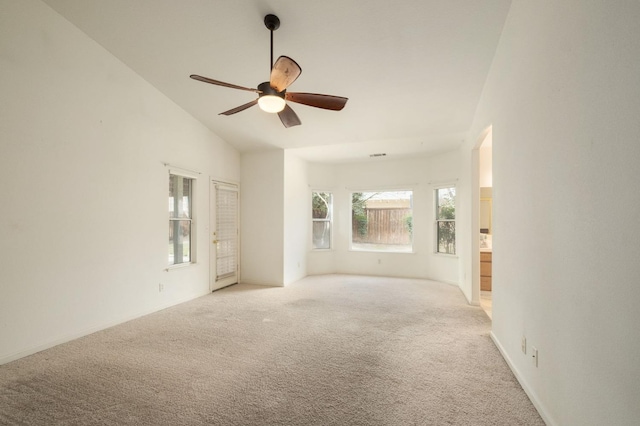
411 249
437 221
329 220
191 219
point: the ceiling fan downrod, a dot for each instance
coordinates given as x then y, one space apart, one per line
272 22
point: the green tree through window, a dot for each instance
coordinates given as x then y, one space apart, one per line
358 213
180 219
321 208
446 220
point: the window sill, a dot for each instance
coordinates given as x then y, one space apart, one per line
453 256
178 266
381 251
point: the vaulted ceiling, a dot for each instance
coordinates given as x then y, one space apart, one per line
413 70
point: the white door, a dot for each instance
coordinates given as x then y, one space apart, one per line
224 235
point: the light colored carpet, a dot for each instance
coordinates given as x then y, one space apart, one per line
327 350
486 302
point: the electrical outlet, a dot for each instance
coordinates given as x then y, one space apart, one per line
160 287
534 356
524 345
379 261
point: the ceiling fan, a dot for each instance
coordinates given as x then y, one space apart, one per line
272 94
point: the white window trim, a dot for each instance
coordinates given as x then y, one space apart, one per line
330 220
434 188
175 170
172 170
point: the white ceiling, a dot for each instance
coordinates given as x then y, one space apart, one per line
413 70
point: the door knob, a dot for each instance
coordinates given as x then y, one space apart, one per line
215 241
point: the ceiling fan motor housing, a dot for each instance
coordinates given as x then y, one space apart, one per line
266 89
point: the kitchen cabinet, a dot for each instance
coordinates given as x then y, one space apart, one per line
485 270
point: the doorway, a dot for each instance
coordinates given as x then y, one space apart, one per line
225 235
485 231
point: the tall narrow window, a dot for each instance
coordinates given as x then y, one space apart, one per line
382 221
180 219
446 220
321 212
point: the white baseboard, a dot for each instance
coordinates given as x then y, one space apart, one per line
262 283
525 386
90 330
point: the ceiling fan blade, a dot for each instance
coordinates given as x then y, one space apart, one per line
288 117
222 83
284 72
334 103
240 108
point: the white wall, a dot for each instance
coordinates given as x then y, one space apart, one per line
275 218
418 175
83 235
486 162
564 100
262 218
297 218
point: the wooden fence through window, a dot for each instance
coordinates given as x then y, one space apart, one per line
384 226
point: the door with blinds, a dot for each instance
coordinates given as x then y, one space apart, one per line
224 235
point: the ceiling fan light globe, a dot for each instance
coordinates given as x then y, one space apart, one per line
271 103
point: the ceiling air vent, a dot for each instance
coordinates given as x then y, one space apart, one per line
381 154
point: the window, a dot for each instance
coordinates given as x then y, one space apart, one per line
382 221
446 220
321 212
180 219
